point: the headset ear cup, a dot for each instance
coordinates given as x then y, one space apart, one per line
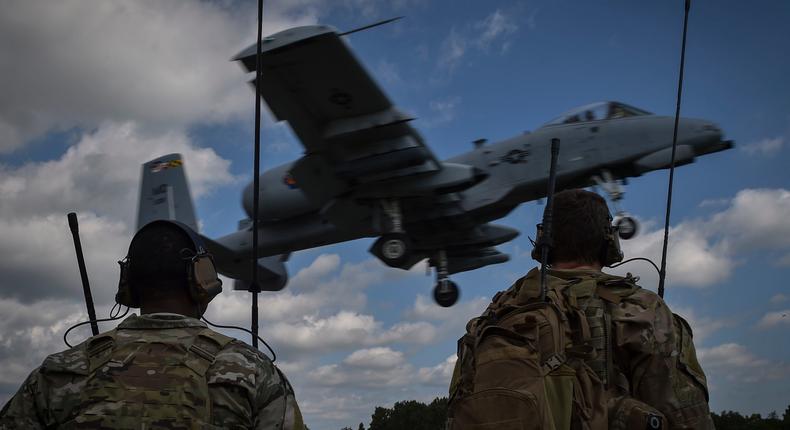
125 296
203 279
613 252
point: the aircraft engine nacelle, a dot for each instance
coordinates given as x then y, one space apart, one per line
272 275
279 196
663 158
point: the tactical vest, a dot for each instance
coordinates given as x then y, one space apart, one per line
527 364
148 384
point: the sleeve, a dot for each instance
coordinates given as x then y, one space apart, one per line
277 407
21 412
664 372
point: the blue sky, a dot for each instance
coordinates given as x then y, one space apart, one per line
94 91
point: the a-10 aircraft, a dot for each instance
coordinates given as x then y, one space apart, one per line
367 173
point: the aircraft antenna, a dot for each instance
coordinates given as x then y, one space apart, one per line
546 241
376 24
256 182
663 273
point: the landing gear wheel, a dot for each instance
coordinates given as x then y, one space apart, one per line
627 227
446 293
394 248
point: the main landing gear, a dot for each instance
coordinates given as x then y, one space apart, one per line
446 292
394 246
626 225
395 249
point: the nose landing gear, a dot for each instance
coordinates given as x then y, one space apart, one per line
626 225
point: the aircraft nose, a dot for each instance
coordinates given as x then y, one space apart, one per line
704 136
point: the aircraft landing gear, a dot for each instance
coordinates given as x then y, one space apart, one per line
394 247
446 292
626 225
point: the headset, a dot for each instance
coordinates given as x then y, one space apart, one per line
610 254
203 280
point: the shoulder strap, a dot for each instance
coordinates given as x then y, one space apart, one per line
204 350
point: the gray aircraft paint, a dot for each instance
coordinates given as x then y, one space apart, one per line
360 150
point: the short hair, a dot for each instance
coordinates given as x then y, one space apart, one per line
579 225
159 255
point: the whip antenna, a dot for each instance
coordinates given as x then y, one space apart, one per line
663 273
86 286
256 182
546 241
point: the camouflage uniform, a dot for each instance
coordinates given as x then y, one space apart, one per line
156 371
653 364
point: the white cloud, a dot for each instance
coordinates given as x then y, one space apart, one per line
376 358
703 252
452 49
438 375
101 173
702 327
736 363
77 63
387 72
765 147
756 218
443 111
772 319
495 26
778 298
693 260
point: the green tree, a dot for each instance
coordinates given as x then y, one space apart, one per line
410 414
361 427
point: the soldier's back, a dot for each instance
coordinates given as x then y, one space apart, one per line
156 371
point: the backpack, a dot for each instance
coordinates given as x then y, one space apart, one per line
147 383
527 364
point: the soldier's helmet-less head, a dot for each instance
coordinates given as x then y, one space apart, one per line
167 257
582 230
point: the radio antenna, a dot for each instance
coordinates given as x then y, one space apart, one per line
86 286
663 273
256 182
546 240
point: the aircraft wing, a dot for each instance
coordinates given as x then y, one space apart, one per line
352 134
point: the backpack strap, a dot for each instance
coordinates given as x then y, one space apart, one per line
99 350
204 349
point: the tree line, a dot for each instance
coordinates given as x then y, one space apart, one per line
414 415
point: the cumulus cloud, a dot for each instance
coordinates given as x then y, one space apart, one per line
438 375
102 172
701 326
76 63
765 147
705 251
772 319
374 358
736 363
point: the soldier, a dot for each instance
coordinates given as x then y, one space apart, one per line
599 353
163 369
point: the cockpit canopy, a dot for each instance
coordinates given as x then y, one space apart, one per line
596 112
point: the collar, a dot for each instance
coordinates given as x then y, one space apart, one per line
159 320
573 273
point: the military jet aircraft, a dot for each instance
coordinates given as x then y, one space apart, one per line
367 173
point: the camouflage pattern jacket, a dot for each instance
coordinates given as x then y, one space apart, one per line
653 357
156 371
